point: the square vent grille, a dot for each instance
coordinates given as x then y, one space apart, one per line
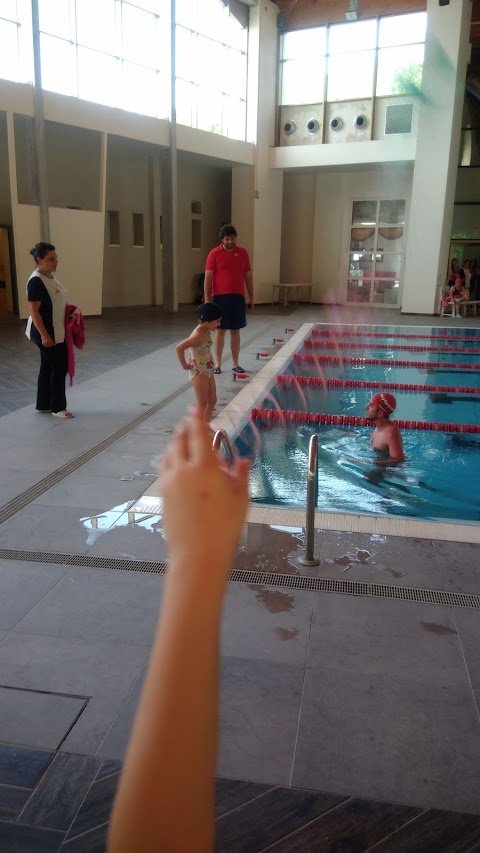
398 118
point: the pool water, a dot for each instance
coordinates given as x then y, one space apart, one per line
441 476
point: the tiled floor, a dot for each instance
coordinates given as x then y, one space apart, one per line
347 723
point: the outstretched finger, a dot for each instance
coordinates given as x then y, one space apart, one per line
199 436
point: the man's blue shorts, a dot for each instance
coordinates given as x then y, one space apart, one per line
232 306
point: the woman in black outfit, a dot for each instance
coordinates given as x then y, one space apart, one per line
47 300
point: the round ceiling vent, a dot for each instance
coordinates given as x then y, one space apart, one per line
336 123
360 122
313 125
290 127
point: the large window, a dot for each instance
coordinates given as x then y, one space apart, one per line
346 59
111 52
211 67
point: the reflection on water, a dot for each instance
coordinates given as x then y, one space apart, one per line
430 485
130 514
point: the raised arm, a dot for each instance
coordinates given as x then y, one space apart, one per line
165 797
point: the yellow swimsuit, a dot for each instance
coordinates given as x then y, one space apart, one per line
201 362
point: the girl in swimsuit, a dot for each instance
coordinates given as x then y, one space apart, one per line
201 363
457 295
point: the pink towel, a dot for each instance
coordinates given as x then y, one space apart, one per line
74 335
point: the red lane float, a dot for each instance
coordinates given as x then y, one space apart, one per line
278 416
316 381
310 343
425 365
336 333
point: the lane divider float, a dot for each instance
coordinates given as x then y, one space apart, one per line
316 382
310 343
336 333
283 416
424 365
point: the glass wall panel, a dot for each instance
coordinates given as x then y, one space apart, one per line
9 56
351 37
303 81
139 36
402 29
400 70
59 65
96 26
55 18
352 78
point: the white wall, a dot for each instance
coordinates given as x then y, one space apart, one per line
297 228
127 269
210 186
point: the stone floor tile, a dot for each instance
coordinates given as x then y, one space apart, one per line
390 738
96 807
11 801
93 841
22 766
134 536
22 585
231 793
434 831
273 815
57 529
459 565
266 548
399 638
104 606
60 793
77 490
266 623
116 740
116 465
467 623
379 559
260 703
20 838
36 719
70 665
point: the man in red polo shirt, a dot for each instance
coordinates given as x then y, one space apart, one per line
227 273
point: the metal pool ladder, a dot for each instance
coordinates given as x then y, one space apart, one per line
312 485
221 439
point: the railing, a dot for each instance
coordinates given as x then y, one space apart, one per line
221 439
312 484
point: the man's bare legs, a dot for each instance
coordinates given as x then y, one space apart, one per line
219 344
234 345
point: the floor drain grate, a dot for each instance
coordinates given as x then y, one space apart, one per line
286 581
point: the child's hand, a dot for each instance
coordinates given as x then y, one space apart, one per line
205 502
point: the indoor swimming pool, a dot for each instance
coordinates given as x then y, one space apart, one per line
438 410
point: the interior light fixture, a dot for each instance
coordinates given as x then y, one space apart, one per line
351 15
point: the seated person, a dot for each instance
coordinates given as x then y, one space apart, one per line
457 295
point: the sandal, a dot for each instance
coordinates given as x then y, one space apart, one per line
217 370
238 369
63 414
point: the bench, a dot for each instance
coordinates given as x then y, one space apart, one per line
473 303
296 287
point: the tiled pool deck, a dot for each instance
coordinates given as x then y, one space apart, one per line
347 722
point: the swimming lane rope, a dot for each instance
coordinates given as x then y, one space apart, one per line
318 382
344 333
310 343
281 416
425 365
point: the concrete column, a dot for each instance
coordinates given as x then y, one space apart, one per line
265 196
435 172
39 129
169 191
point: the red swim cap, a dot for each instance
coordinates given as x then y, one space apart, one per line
384 401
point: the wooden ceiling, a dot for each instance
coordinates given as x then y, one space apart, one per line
309 13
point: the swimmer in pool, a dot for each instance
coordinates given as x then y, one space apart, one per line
386 438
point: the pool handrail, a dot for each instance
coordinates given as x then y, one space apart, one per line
221 438
312 481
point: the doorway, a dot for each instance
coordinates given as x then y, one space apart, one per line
8 284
